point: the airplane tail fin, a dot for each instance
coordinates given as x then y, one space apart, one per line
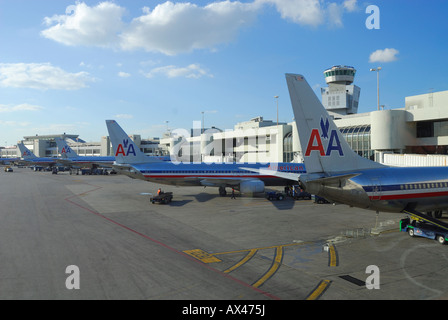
65 151
25 153
125 150
323 146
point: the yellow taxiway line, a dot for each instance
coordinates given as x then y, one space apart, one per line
319 290
273 269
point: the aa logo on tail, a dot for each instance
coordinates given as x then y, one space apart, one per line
26 153
316 137
129 147
66 149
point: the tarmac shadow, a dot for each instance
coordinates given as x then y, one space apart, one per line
285 204
179 203
204 197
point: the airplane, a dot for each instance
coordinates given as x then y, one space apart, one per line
7 161
70 158
29 158
335 172
129 160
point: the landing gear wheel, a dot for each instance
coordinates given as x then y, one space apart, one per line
222 191
411 232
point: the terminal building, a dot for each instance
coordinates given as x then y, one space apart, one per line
45 146
256 140
414 135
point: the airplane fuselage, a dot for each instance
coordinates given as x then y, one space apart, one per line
391 189
39 161
203 174
88 161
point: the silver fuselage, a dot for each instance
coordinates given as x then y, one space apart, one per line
204 174
391 189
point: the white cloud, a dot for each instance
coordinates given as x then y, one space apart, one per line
350 5
124 74
307 12
386 55
335 14
194 71
41 76
20 107
84 25
173 28
312 12
124 116
51 128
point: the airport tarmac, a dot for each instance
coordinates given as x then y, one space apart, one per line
200 246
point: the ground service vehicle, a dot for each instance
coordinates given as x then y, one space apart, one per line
163 197
422 229
300 194
273 195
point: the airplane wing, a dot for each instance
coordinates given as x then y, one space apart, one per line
65 162
217 182
279 174
305 177
79 164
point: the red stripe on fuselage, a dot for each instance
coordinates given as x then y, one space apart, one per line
207 176
409 195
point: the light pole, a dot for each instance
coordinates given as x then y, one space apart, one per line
166 122
276 98
203 124
377 84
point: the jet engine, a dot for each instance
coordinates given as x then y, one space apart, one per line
251 186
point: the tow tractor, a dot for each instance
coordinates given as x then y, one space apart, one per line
422 229
274 195
163 197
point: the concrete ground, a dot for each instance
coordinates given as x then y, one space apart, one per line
200 246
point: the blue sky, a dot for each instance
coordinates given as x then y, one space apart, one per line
66 66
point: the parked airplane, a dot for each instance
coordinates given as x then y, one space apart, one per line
70 158
334 171
29 158
8 160
132 162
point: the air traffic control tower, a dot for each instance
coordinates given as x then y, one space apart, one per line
341 97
